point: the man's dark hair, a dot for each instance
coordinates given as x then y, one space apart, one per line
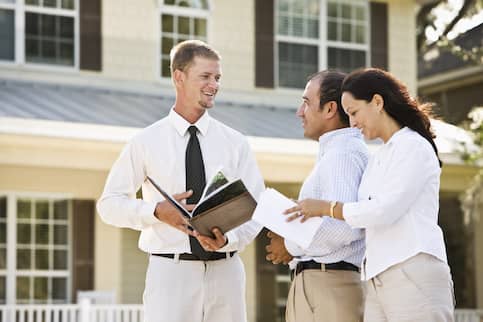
330 89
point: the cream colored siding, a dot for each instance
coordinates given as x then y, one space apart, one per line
402 42
133 267
129 39
233 35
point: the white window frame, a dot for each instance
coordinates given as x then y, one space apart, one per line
322 43
178 11
11 271
20 10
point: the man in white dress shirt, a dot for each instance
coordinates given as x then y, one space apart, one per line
326 280
190 278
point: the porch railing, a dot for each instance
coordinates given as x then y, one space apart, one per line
87 312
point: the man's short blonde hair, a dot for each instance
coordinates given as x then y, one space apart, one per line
183 54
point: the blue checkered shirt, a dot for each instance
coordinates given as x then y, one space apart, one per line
336 176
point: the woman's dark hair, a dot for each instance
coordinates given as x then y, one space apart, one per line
330 90
405 110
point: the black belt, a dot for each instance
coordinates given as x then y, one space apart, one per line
341 266
190 257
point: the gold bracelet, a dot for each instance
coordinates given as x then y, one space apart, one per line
332 206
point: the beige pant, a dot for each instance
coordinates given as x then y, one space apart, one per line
195 291
419 289
325 296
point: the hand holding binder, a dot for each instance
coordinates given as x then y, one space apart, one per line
227 205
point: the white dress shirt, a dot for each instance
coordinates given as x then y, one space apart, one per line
158 151
398 203
336 176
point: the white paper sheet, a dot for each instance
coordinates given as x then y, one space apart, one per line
269 213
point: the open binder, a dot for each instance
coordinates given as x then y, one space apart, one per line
224 204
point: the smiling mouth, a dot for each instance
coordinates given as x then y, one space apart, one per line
209 94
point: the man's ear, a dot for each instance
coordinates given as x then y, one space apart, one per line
331 109
178 77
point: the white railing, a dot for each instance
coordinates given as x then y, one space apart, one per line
82 312
468 315
87 312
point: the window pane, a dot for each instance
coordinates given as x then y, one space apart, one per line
3 292
332 9
296 62
313 8
3 207
345 59
24 257
42 234
3 258
60 234
313 28
50 3
40 288
346 11
47 23
165 68
183 3
166 44
50 32
297 26
66 54
170 2
59 288
184 25
346 32
23 288
332 30
32 2
3 233
200 27
67 27
60 259
360 34
282 6
167 23
283 25
60 209
360 13
23 209
23 233
42 207
7 35
41 259
67 4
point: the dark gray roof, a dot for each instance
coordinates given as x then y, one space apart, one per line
99 106
446 61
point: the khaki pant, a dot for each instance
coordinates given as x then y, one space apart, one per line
325 296
419 289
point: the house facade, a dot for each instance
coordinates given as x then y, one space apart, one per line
79 77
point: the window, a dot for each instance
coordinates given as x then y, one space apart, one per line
181 20
48 36
41 271
316 34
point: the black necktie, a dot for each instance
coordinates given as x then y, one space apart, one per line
196 181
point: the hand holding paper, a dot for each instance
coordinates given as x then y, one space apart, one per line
269 213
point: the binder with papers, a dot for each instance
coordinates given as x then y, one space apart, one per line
224 204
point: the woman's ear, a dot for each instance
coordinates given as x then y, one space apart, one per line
378 102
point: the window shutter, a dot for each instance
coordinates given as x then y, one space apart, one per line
379 35
90 35
83 246
264 42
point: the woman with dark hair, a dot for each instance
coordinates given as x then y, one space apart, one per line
405 266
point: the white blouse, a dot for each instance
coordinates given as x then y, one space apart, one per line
398 203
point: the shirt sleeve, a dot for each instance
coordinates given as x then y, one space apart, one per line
118 205
248 171
412 165
339 172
